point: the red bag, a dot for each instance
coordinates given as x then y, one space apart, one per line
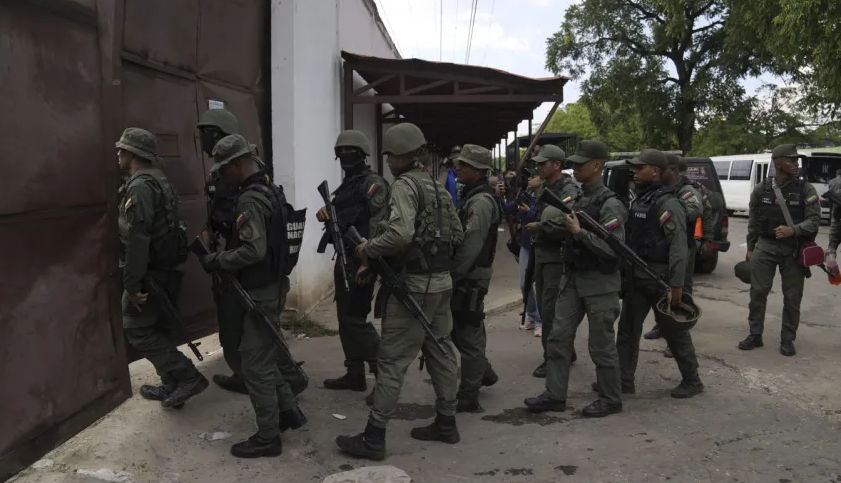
810 254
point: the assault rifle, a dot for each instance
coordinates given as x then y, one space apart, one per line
400 291
199 248
171 313
333 233
615 243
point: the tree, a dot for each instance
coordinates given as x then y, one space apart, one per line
674 47
574 117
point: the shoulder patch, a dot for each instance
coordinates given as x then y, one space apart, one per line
611 224
568 200
665 216
688 195
812 200
241 219
372 190
129 204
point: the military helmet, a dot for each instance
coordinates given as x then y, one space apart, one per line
355 139
742 271
403 138
549 152
476 156
139 142
228 149
680 318
220 118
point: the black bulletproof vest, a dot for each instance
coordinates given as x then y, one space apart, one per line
770 213
645 233
352 204
488 251
272 268
221 203
578 256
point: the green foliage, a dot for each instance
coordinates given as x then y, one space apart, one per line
573 117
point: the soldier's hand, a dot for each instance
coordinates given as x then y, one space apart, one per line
533 226
321 214
205 237
573 225
784 231
137 299
361 248
677 296
364 276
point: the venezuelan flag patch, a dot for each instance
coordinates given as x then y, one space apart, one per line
241 219
611 224
812 200
687 195
664 217
567 200
128 204
372 190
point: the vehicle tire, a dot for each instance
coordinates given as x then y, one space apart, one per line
706 264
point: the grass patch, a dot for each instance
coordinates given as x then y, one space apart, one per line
299 323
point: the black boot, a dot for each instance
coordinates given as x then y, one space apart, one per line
751 342
368 444
292 419
442 429
490 377
540 371
787 348
601 408
468 405
544 403
352 380
232 383
156 393
654 333
255 447
184 391
687 389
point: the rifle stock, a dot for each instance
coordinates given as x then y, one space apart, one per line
334 233
616 244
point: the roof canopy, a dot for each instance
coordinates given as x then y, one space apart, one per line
451 103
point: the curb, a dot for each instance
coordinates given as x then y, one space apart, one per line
504 306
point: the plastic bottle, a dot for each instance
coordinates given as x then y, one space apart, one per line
832 267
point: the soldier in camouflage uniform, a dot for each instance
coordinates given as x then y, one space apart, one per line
418 239
153 246
214 124
254 255
548 240
657 233
361 201
472 268
589 286
773 243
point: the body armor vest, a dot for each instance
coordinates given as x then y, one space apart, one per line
770 213
578 256
431 249
645 233
272 268
221 204
488 251
168 244
352 204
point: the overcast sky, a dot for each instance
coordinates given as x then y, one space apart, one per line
507 34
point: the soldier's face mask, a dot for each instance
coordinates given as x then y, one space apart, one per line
350 158
209 136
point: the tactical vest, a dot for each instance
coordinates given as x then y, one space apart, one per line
578 256
771 215
645 233
221 204
486 254
431 248
351 202
168 244
273 266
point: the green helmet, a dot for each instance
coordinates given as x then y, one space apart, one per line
476 156
228 149
139 142
355 139
742 271
403 138
221 118
681 318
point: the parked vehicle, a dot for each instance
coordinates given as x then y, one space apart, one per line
617 177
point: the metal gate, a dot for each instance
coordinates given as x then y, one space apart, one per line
73 73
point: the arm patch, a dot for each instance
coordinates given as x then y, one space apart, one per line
665 216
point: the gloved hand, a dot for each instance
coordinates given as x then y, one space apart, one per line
209 262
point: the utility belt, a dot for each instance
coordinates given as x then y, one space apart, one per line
468 303
436 258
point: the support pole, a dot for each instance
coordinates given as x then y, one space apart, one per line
539 132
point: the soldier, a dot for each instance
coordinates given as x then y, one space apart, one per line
657 233
548 239
773 243
472 268
213 125
361 201
257 239
418 240
691 197
589 286
154 248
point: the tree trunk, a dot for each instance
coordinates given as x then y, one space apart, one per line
686 121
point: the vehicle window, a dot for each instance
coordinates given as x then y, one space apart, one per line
740 170
820 170
701 174
722 168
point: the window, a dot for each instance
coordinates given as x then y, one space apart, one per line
722 168
740 171
700 174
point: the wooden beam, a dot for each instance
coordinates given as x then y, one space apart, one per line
479 90
451 99
424 87
373 84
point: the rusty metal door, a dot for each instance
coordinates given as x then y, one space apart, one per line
73 74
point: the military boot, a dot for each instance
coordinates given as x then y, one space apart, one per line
442 429
353 380
368 444
601 408
490 377
468 404
751 342
540 372
544 403
184 391
255 447
156 393
654 333
232 383
687 389
292 419
787 348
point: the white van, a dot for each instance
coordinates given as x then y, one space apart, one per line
739 174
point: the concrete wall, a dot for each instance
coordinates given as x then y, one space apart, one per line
307 40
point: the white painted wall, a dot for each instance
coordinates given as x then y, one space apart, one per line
307 39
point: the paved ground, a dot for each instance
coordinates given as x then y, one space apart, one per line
762 418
